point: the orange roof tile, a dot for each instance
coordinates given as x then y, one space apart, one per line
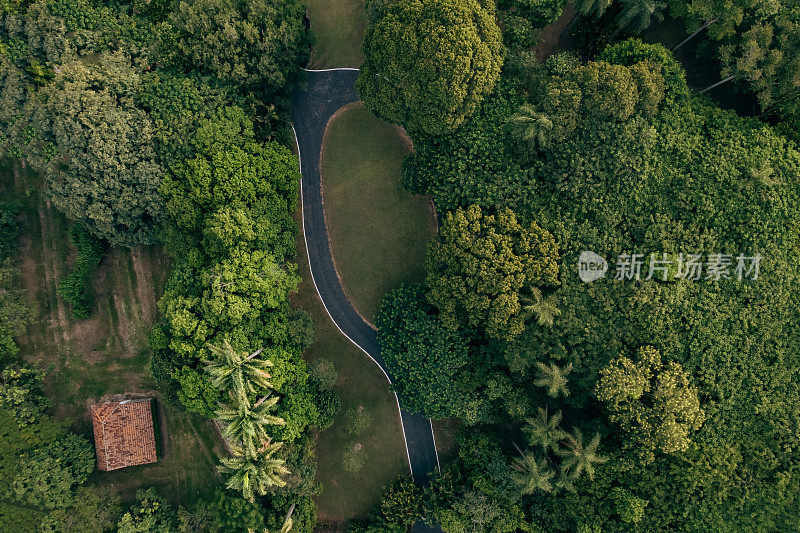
123 434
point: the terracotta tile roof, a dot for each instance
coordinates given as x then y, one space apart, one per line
123 434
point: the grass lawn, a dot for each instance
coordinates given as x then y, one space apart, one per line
338 27
378 231
105 354
347 495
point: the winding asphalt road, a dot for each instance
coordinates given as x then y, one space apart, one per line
325 93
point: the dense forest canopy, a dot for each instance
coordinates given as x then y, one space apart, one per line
662 395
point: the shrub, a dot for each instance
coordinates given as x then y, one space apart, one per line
76 288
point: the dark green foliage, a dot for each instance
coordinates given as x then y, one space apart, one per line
15 310
429 64
634 173
435 372
400 503
46 475
22 393
9 229
256 45
152 514
474 164
539 12
76 288
230 513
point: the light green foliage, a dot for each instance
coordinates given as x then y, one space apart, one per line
253 44
255 474
532 474
152 514
544 431
654 400
96 149
429 64
653 57
46 476
245 426
479 265
238 373
629 508
554 379
229 170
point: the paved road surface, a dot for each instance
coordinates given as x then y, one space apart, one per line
312 106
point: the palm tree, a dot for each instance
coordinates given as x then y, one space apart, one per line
287 523
592 8
531 128
636 15
237 372
532 475
544 430
553 378
254 474
544 309
245 425
577 458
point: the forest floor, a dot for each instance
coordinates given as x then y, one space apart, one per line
378 231
338 26
105 354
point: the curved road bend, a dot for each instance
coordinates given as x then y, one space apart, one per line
312 107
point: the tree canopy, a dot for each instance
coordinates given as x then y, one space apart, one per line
429 64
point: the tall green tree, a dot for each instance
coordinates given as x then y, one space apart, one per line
239 373
255 475
96 148
654 400
480 263
258 45
429 64
246 426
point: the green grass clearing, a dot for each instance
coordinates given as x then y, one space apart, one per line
338 26
347 495
105 354
378 231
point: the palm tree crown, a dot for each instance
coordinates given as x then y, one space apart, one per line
238 372
544 309
245 426
554 378
531 127
579 458
254 474
544 430
532 475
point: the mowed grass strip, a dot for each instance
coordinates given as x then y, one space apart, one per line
338 27
346 495
378 231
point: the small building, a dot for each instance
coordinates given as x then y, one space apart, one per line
123 434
